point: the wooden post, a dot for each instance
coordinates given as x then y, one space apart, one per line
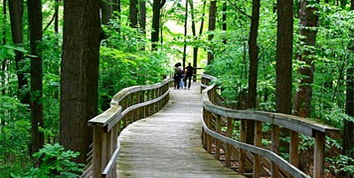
131 112
318 166
228 146
243 133
217 141
209 138
97 151
114 146
275 149
148 106
137 95
142 100
258 143
294 149
203 132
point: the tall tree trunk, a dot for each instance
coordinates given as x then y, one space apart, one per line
79 74
253 54
133 13
303 97
106 7
35 26
283 65
16 15
156 7
56 20
143 16
224 25
4 22
195 49
212 21
348 136
185 36
2 80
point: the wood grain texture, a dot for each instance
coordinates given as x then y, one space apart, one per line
168 143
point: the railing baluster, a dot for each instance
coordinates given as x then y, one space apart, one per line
228 146
258 143
318 167
294 149
217 141
275 149
97 151
209 138
243 133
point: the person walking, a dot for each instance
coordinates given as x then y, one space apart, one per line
177 75
188 75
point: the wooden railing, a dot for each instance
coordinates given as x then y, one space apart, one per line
262 161
127 106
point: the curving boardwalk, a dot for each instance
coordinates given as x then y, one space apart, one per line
168 143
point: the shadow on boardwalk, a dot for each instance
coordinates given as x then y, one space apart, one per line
168 143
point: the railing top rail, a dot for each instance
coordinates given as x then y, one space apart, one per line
294 123
115 110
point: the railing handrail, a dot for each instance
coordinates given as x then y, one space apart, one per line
108 125
104 118
291 122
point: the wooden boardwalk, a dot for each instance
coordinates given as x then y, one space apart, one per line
168 144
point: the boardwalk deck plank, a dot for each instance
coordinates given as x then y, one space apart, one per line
168 143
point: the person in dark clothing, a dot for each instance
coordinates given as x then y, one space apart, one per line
177 75
188 75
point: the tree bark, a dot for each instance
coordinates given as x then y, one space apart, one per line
106 10
185 36
224 18
143 16
303 97
253 55
348 136
16 15
56 20
35 28
212 21
156 7
79 74
284 56
4 22
133 13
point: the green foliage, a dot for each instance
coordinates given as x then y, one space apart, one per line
14 135
341 163
54 162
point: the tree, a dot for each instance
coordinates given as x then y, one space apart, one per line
308 20
133 13
16 15
283 66
79 74
212 22
142 21
195 48
156 8
253 55
35 26
185 35
106 7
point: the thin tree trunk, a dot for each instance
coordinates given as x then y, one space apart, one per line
133 13
212 21
156 7
143 16
16 15
79 74
348 136
303 97
106 7
224 24
4 22
253 55
56 20
185 36
35 26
